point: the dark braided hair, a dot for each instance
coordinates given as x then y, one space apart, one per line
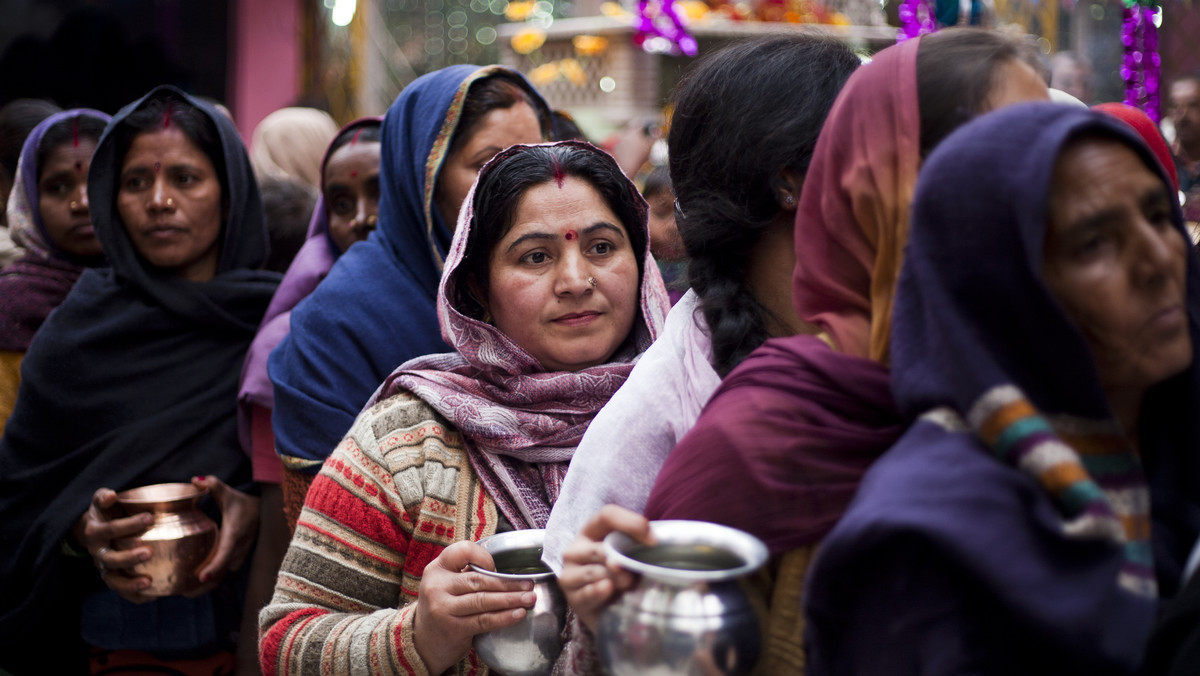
741 117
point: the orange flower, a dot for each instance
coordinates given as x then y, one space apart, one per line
693 9
589 45
613 9
528 40
544 74
517 11
574 72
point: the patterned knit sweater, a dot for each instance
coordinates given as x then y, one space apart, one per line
396 492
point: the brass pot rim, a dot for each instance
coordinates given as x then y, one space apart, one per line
164 492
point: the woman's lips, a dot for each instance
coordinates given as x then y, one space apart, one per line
165 232
577 318
1168 320
83 230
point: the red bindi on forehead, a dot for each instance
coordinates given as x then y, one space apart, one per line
157 166
571 234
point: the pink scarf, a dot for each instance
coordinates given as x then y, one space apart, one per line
852 222
521 423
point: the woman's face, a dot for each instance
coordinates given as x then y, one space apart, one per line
62 199
1117 265
665 242
352 192
170 201
494 132
564 280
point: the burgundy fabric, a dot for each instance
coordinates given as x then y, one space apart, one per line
29 289
799 424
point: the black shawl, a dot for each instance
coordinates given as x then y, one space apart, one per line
132 381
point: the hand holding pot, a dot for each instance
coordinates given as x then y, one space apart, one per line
239 529
454 604
96 530
587 580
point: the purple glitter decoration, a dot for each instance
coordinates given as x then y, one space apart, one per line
917 17
1140 68
665 23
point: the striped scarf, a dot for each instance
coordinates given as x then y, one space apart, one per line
1094 478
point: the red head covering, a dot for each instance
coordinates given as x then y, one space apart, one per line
853 217
1145 128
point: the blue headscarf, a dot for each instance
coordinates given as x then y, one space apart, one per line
1013 489
378 306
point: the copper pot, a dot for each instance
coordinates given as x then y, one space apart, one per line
182 537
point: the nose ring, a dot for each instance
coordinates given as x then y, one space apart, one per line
74 205
170 203
592 281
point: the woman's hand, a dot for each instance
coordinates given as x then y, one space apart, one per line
98 528
455 603
239 529
587 581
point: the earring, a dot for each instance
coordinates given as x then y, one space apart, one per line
592 281
789 200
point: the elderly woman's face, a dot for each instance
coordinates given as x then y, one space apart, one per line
564 280
1117 265
169 198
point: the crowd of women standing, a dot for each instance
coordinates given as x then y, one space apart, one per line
947 378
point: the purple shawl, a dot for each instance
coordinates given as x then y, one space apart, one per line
1013 508
308 268
33 285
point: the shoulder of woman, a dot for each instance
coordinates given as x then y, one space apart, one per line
403 419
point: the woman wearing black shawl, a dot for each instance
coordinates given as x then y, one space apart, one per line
133 381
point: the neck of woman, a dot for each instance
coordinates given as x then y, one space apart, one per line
1126 405
769 278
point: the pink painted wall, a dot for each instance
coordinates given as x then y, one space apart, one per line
266 59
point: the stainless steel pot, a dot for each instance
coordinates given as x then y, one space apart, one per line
692 612
530 647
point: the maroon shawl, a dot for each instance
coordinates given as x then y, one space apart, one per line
792 431
782 444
